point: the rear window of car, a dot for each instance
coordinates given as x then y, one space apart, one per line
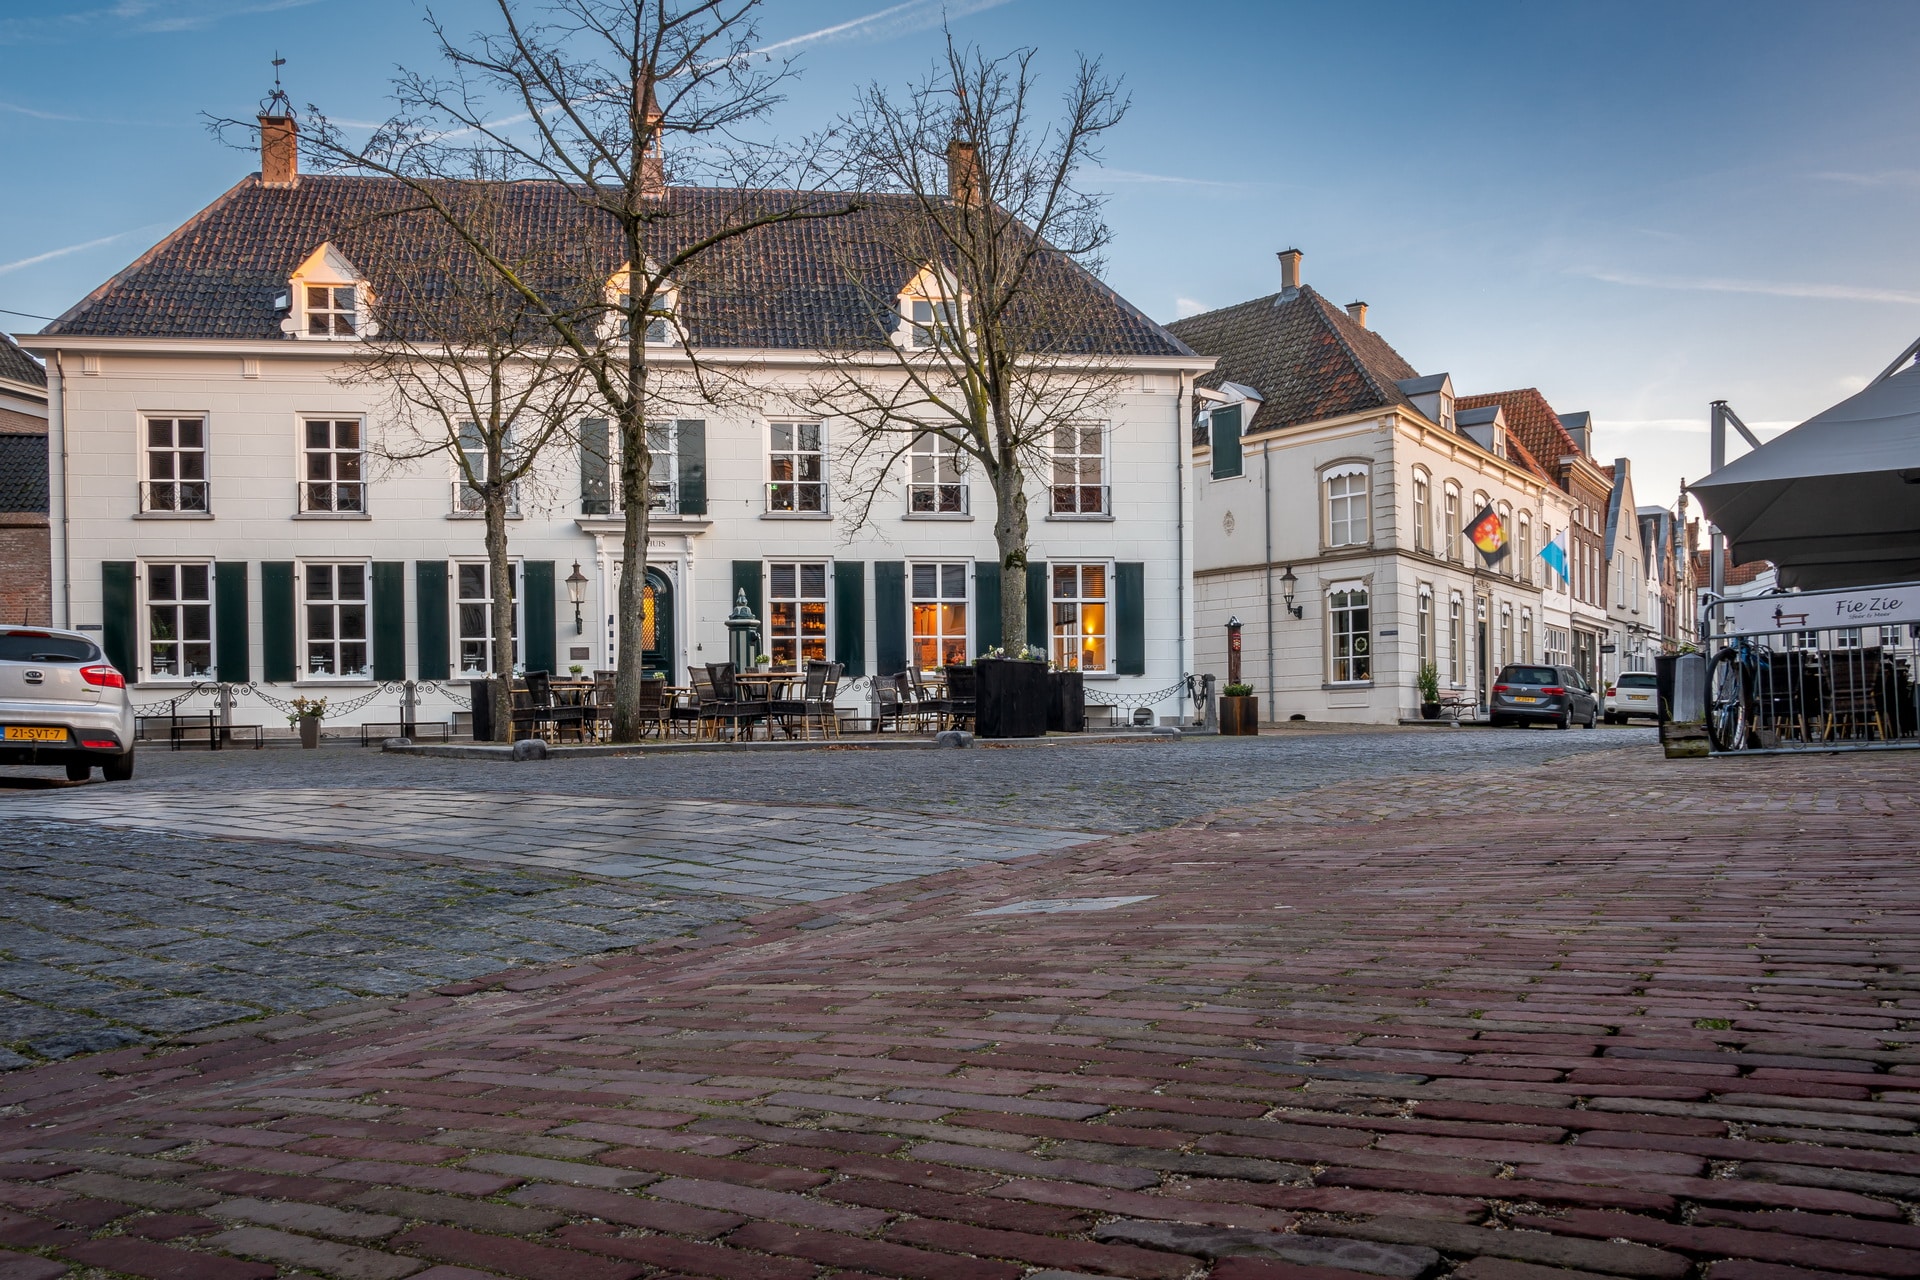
1638 680
39 646
1529 675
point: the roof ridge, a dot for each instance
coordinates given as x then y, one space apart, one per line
1388 391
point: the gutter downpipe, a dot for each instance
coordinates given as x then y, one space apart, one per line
57 425
1266 509
1182 460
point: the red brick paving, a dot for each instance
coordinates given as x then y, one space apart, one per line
1628 1018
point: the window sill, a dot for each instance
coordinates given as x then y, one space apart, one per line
174 682
1087 518
331 515
173 515
1340 686
335 682
476 515
796 515
936 515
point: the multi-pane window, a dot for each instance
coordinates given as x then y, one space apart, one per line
1347 507
1526 549
332 310
1079 616
663 473
337 636
1450 526
1456 640
1079 471
1506 634
473 469
1352 628
796 614
473 611
1426 627
940 606
933 322
335 475
1526 635
1507 565
1422 517
797 468
936 476
176 465
179 621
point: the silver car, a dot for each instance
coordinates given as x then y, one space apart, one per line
62 702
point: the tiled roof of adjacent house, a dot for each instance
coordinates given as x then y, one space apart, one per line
17 366
807 285
1532 421
1305 355
1738 575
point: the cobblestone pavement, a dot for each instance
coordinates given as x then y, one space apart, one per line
1634 1019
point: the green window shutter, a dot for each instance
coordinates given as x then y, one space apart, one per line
536 614
119 620
1130 619
389 620
746 577
850 616
1037 607
231 641
1226 441
430 618
279 662
889 617
596 475
693 467
986 602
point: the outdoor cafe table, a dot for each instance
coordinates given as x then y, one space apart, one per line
768 685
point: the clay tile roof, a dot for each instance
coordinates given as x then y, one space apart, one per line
17 366
1531 420
1304 354
1738 575
806 285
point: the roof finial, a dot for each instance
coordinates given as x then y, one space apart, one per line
277 103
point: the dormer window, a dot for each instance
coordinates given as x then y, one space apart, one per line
661 319
333 311
931 318
326 299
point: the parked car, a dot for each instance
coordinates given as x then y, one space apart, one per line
1525 694
1633 693
62 702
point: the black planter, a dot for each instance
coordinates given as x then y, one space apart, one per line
1012 699
1066 702
481 691
1429 711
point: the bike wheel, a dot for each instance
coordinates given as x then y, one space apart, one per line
1727 702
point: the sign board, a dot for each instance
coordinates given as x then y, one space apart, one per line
1822 610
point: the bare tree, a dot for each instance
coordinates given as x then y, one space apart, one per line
999 345
610 99
472 374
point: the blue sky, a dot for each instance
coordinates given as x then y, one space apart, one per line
1635 207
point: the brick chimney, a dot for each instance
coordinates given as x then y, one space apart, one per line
1290 268
653 169
963 173
1358 310
279 152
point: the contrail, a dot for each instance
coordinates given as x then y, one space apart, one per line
61 253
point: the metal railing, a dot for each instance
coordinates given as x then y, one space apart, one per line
1814 689
468 501
173 495
1082 499
340 497
938 499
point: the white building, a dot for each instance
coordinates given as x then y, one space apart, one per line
217 513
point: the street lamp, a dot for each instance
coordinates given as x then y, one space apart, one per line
1287 583
577 596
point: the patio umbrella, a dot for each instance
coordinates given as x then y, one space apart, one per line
1835 502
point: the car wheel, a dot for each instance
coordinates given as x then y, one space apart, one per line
1566 719
1592 719
78 772
118 769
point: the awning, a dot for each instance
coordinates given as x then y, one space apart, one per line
1835 502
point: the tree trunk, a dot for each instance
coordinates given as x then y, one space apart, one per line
500 587
1010 536
636 467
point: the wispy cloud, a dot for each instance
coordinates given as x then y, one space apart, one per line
51 254
895 20
37 114
1880 178
1185 307
1162 179
138 17
1766 288
1684 426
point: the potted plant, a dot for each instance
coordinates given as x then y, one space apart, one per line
1239 711
306 716
575 670
1011 693
1429 682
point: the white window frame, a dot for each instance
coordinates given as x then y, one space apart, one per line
305 577
1506 635
937 486
1505 511
798 597
928 312
942 635
353 314
663 318
456 599
1358 506
1078 458
1068 651
180 500
1423 624
1525 532
1526 635
148 674
1422 510
332 484
1456 638
1450 512
795 456
1355 667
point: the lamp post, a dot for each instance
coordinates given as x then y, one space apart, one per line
1287 583
577 596
743 632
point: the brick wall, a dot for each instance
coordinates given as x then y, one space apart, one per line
26 569
12 420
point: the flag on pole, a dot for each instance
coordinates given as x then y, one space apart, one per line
1555 554
1489 534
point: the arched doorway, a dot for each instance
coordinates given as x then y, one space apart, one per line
656 624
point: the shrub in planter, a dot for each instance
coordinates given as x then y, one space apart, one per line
1239 711
1428 680
1011 695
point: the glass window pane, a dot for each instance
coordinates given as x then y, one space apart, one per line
783 436
781 578
1065 581
343 298
346 435
159 432
190 432
353 622
810 436
316 435
320 582
316 296
353 581
193 582
813 581
473 582
925 579
319 622
953 581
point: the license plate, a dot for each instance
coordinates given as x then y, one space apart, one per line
1526 699
34 733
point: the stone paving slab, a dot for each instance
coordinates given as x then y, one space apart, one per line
1658 1031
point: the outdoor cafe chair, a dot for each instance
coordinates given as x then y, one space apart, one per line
728 707
811 707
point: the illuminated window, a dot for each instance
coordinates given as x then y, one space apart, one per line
1079 616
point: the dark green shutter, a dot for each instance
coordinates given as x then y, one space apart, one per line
430 618
1226 441
536 612
693 467
231 641
889 617
596 488
390 620
119 623
1037 607
1130 619
279 662
746 577
986 600
850 616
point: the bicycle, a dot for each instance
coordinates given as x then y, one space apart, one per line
1732 679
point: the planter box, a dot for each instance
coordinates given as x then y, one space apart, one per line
309 732
1240 717
1066 702
1011 701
